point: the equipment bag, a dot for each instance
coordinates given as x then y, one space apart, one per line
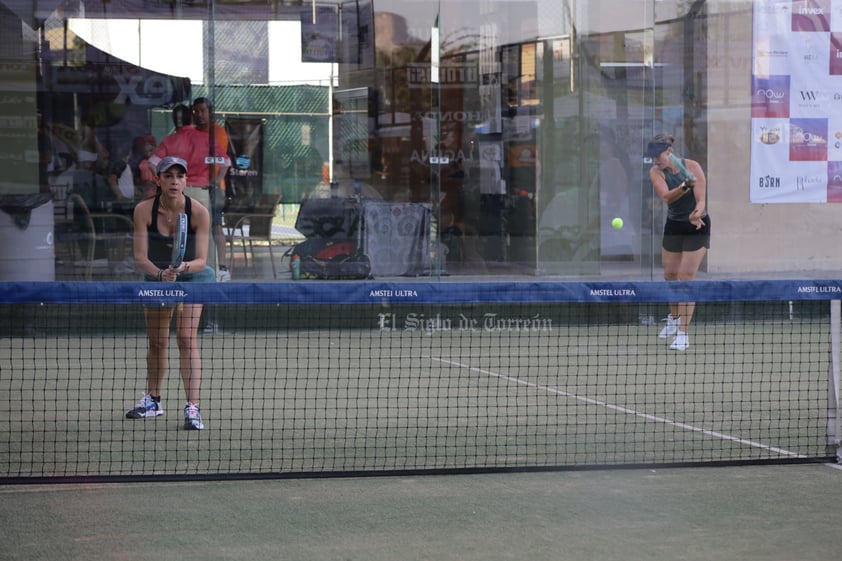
331 260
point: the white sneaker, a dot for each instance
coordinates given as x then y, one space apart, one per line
681 342
671 328
192 417
223 275
146 407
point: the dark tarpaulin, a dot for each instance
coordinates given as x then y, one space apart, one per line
32 13
235 10
20 207
109 94
104 78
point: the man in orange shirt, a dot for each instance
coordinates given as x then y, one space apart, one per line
207 160
214 144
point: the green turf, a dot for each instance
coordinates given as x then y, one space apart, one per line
328 400
755 513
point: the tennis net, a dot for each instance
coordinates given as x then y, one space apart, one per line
339 378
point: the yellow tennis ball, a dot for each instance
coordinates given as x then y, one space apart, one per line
617 223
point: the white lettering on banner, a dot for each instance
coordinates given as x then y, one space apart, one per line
144 90
454 76
161 293
613 292
819 290
489 323
423 157
417 322
12 67
389 293
140 89
18 122
451 116
770 94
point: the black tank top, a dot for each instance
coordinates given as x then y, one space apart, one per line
681 208
160 246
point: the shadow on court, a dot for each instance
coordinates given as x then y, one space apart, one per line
727 513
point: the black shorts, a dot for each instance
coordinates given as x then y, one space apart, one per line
683 236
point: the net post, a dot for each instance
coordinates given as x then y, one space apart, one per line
834 441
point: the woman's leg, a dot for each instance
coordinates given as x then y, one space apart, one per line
158 334
671 262
190 358
688 268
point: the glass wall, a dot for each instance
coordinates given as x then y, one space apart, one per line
512 132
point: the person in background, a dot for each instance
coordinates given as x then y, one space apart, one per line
216 142
179 143
686 232
181 116
49 162
145 180
154 229
121 179
90 142
90 184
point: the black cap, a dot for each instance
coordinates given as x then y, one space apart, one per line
655 149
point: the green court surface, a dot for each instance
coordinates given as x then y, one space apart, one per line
373 400
351 391
748 513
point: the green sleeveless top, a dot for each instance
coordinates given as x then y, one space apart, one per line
679 210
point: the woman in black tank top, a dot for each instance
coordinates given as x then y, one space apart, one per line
687 229
160 245
155 221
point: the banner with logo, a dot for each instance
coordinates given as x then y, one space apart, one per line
319 34
244 183
796 125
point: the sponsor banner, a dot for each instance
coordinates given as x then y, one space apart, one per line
796 136
244 183
319 35
379 293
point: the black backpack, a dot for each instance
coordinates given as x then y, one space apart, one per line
331 260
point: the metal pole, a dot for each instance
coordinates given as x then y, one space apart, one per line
834 439
330 117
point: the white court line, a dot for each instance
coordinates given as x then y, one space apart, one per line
626 410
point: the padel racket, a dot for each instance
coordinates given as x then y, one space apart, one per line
678 163
179 245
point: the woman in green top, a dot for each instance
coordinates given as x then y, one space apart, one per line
687 229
